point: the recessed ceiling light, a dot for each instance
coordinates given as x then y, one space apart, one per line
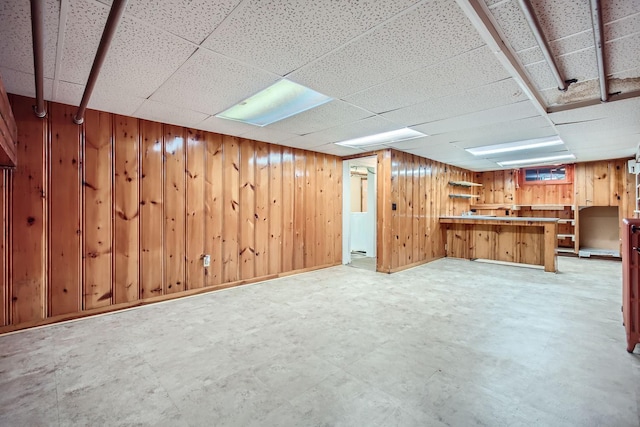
383 138
537 160
277 102
515 146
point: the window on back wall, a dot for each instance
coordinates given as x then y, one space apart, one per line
561 174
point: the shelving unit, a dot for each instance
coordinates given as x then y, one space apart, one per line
463 184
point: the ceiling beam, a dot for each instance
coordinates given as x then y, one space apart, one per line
598 34
481 18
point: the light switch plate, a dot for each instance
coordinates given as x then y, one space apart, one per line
206 260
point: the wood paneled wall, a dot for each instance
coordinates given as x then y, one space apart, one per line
8 131
601 183
120 211
419 187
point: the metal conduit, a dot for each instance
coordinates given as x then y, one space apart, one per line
37 36
530 15
598 34
115 15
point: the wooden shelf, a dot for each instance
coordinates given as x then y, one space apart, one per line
567 236
463 196
567 221
464 184
492 206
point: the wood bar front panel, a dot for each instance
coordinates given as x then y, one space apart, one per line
120 211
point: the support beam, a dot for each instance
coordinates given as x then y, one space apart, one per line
532 20
481 19
115 15
598 34
37 36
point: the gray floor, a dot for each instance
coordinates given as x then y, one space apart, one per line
359 260
453 342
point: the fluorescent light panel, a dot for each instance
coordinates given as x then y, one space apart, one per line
537 160
277 102
383 138
515 146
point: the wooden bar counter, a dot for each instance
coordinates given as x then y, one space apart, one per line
521 240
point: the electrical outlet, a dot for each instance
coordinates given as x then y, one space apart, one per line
206 261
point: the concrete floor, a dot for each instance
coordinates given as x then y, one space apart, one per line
453 342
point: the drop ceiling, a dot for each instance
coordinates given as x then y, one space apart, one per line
423 64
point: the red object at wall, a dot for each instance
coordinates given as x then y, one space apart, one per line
630 277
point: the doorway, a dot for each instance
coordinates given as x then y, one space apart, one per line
359 213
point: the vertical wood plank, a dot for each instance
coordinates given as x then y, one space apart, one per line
65 236
28 218
330 190
97 197
299 218
214 205
175 208
337 209
601 194
415 205
230 271
395 218
403 210
4 248
195 243
423 222
262 215
320 209
276 224
288 202
126 210
310 213
247 209
151 210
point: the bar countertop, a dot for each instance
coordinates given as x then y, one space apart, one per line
501 219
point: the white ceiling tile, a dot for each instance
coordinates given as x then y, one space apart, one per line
23 84
629 108
85 23
513 25
562 18
541 76
193 20
16 50
306 142
115 102
211 83
135 51
518 130
613 10
223 126
623 54
69 93
581 65
446 78
364 127
438 27
331 114
531 55
573 43
622 28
283 36
478 99
338 150
502 114
266 134
159 112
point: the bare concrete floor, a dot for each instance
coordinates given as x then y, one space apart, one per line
450 343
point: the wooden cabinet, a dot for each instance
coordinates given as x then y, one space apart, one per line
630 285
